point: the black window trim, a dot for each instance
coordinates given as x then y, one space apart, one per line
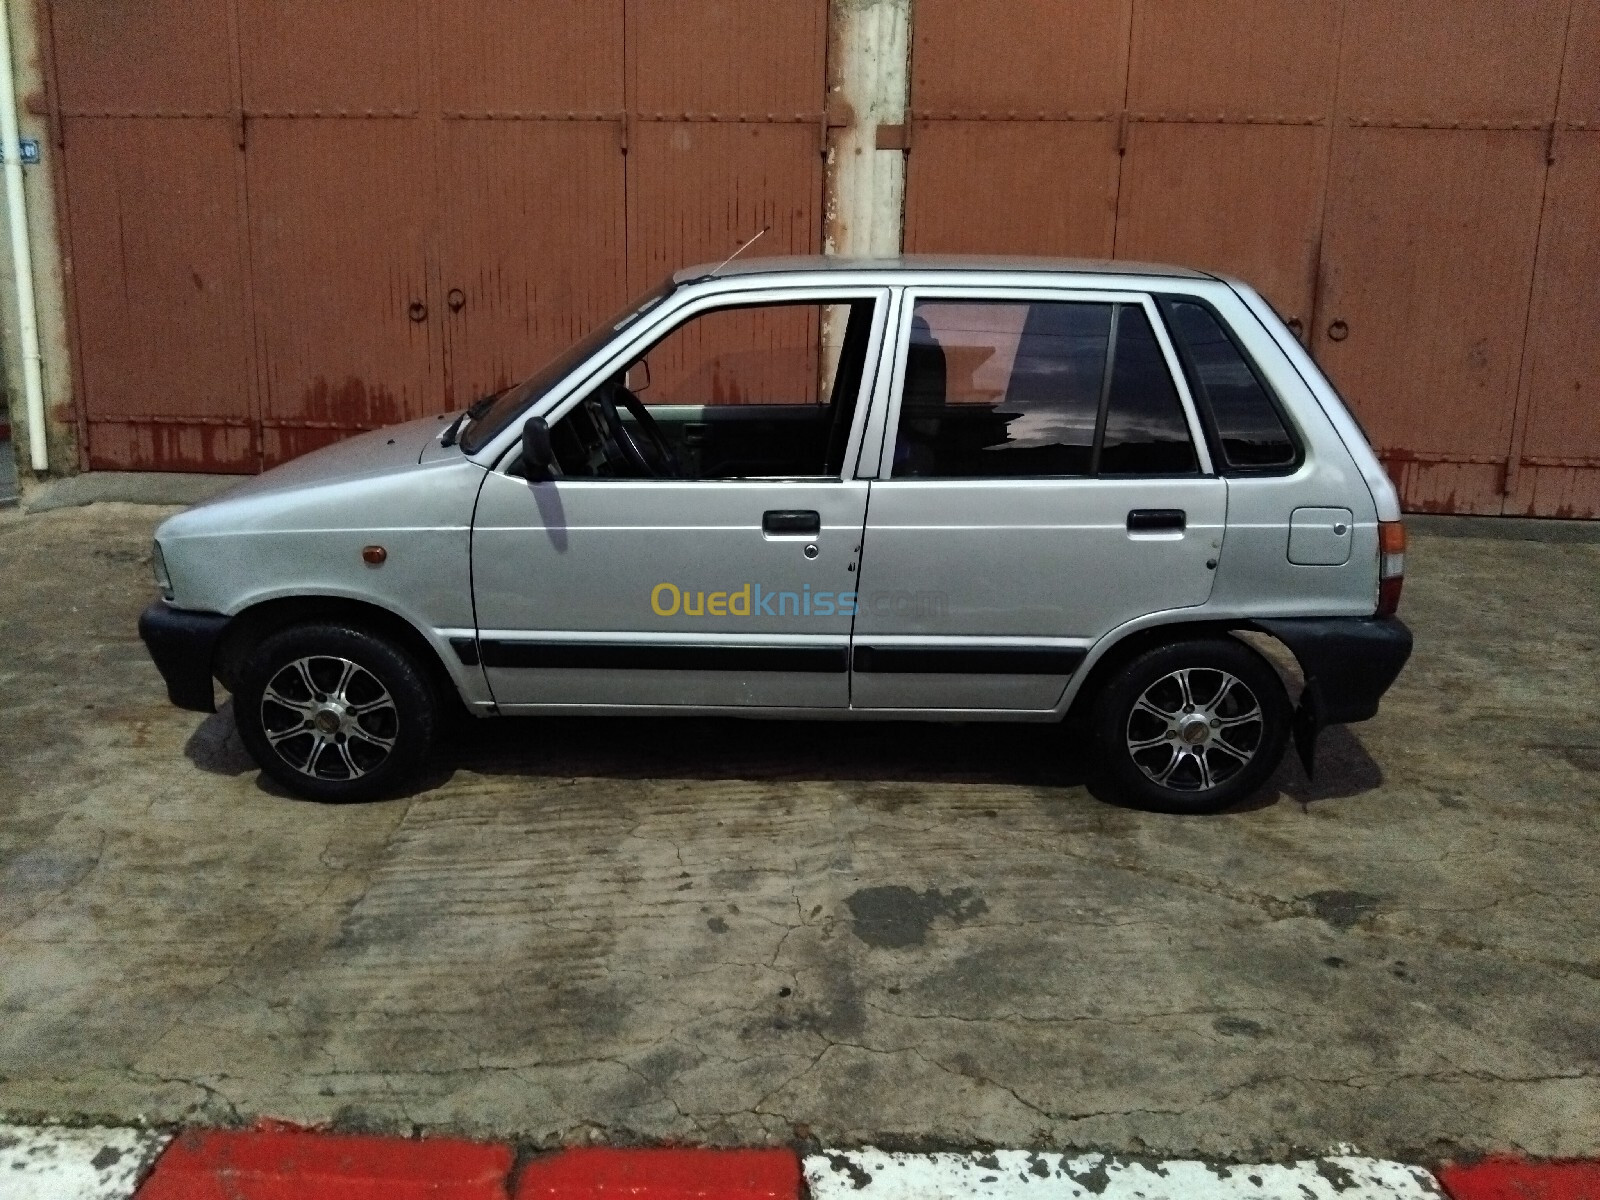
1202 398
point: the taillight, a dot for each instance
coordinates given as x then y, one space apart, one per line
1391 566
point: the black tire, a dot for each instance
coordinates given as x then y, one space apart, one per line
366 702
1172 734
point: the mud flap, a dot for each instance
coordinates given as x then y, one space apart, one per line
1308 722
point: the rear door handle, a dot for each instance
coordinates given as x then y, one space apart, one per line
792 521
1150 520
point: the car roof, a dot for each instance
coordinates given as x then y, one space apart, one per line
952 263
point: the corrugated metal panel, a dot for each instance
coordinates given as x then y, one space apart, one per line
160 303
530 56
313 57
144 56
1452 60
1433 212
727 56
1580 77
1559 467
532 229
1227 145
696 191
1428 260
725 138
999 187
1242 199
1021 56
340 212
1004 95
531 245
1235 58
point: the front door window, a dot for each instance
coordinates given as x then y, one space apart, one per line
749 392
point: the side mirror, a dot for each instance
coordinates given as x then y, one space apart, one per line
538 458
637 377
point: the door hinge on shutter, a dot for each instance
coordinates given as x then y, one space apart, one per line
241 125
1550 144
895 137
1122 133
833 117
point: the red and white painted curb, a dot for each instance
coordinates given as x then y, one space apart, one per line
277 1163
50 1163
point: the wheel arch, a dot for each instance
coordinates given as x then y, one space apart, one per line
250 626
1124 648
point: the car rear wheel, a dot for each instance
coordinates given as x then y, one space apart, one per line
1191 727
335 713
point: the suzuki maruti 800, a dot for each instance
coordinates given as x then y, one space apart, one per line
937 489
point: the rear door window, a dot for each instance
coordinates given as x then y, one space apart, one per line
1250 432
1146 432
1037 389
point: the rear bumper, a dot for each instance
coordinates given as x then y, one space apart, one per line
183 644
1348 664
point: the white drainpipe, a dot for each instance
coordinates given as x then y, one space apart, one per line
21 250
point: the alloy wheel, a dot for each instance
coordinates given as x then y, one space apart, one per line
1194 729
329 717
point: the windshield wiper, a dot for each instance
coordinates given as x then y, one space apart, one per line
475 410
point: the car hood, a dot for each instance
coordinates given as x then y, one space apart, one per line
380 452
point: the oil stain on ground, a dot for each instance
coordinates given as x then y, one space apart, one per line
1341 909
895 916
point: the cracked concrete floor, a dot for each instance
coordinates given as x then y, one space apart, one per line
720 931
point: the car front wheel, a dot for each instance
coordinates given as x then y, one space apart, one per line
335 713
1191 727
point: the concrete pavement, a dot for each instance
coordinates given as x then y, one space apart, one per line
747 933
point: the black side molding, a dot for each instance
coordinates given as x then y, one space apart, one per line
1348 663
182 644
591 656
964 660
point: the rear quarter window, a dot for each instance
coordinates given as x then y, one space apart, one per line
1245 420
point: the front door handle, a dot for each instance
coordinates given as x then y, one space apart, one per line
798 522
1151 520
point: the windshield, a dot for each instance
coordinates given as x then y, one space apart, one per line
514 401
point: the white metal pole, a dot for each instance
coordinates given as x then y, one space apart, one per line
21 250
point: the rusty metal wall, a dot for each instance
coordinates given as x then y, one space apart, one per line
1014 123
145 109
291 220
1555 457
1415 187
287 220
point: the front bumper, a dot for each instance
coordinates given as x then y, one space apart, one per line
183 645
1348 664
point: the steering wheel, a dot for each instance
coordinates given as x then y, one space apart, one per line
650 455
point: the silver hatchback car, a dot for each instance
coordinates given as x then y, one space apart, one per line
941 489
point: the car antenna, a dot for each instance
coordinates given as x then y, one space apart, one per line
740 250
